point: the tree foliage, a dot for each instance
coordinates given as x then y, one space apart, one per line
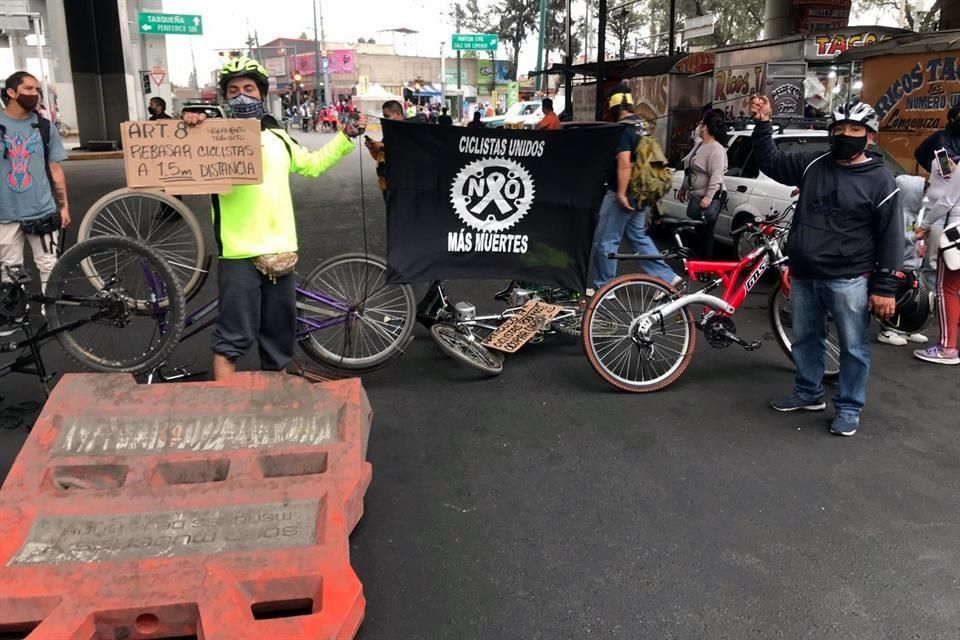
623 25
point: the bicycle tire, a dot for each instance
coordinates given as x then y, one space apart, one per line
471 353
69 273
398 318
115 214
601 318
776 313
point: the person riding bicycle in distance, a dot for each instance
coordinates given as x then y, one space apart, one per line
845 248
256 230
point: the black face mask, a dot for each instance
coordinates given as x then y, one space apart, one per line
847 147
29 103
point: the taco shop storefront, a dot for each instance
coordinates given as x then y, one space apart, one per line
911 81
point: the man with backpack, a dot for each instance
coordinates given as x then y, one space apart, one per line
637 178
33 196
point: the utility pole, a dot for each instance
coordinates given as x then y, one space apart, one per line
567 74
443 76
459 17
327 89
543 30
601 54
672 49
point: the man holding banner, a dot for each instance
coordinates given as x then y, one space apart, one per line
256 230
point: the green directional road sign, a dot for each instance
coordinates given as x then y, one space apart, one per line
474 42
163 24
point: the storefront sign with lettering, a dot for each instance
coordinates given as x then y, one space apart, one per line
732 89
911 94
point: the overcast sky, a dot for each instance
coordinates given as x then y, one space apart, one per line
227 22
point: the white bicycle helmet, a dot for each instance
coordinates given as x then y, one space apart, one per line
857 113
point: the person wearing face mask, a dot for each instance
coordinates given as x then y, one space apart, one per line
948 138
256 232
845 248
33 195
158 109
703 186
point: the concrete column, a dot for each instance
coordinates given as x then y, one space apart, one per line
778 19
61 71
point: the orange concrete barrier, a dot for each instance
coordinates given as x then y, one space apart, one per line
199 509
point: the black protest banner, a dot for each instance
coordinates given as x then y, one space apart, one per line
488 203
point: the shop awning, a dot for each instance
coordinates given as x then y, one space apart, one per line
934 42
425 89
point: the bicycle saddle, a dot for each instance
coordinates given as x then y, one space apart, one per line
680 224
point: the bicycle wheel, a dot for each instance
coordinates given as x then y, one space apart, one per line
781 321
349 319
623 353
461 348
104 322
159 221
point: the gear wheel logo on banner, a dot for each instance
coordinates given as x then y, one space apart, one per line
492 194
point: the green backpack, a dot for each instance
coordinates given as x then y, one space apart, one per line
650 179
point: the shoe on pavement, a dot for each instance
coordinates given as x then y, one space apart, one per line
889 336
793 403
937 355
844 426
918 337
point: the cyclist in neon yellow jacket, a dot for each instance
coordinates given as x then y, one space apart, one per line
256 230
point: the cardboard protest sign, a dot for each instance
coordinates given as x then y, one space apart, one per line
208 158
517 331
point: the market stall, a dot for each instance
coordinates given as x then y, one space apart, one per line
801 73
668 91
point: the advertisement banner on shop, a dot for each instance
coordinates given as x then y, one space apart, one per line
911 94
494 203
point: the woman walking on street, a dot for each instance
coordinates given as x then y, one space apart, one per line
703 185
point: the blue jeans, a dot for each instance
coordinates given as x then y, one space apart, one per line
704 233
614 225
846 300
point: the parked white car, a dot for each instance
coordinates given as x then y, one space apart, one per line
752 195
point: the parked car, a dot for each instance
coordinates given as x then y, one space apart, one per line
750 193
516 111
209 109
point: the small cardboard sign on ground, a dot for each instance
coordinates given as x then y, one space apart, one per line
517 331
211 157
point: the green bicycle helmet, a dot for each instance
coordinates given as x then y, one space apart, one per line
244 67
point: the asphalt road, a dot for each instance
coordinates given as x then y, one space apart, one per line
543 504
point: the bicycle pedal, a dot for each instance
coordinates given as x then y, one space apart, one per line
752 346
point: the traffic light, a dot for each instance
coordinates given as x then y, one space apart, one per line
145 82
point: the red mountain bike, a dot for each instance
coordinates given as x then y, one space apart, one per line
639 332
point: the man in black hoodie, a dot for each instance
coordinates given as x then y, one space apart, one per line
845 247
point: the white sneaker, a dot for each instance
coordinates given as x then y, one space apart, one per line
891 337
918 337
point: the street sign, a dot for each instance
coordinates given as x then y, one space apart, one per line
698 26
474 41
170 24
157 74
